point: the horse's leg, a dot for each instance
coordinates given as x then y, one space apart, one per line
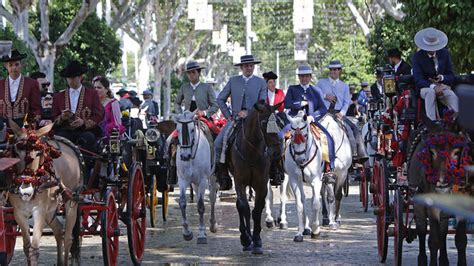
461 242
325 204
443 252
269 206
433 240
421 230
244 216
201 191
316 204
331 205
183 185
39 218
71 212
283 198
22 221
212 199
338 203
299 200
57 228
260 195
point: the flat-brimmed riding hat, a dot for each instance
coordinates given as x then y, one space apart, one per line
394 53
147 92
335 64
73 69
364 84
248 59
193 65
269 75
122 91
15 56
304 70
431 39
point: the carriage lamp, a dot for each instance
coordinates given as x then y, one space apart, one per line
152 135
5 48
114 142
388 81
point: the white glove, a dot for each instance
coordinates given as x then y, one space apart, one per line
304 103
309 119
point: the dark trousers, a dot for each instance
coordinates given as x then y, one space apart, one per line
84 138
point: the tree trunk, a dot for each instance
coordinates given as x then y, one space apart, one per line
167 92
158 87
391 10
359 19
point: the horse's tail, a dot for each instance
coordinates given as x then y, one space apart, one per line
76 237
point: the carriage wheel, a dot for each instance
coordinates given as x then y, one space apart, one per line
110 231
346 187
152 201
382 213
399 227
10 241
164 204
364 189
136 210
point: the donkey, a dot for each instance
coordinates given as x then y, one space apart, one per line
39 186
437 165
194 164
332 189
256 141
303 163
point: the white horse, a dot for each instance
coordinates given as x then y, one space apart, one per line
194 165
332 189
281 221
38 193
303 163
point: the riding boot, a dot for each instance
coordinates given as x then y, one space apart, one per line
276 172
223 178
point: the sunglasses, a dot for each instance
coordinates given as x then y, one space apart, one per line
45 85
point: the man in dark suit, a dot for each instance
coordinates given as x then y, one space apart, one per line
376 89
19 95
399 65
433 72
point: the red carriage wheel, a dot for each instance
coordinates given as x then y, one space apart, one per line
152 201
382 211
110 231
136 210
11 231
364 189
399 227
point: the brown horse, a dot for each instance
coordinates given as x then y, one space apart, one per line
38 188
437 166
250 157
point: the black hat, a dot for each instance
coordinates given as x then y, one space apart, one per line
269 75
379 71
121 91
15 56
135 101
132 93
193 65
248 59
394 53
73 69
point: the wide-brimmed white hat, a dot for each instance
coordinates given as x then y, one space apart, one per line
431 39
335 64
304 70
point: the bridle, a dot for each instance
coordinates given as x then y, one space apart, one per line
307 147
185 132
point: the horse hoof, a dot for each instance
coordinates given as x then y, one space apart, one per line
269 224
202 240
257 250
315 235
333 226
248 248
325 221
284 226
213 228
298 238
338 222
188 237
307 232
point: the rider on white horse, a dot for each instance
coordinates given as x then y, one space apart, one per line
195 95
306 97
337 99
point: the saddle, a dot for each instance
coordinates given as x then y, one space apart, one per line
320 136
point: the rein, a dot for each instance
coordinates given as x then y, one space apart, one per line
293 153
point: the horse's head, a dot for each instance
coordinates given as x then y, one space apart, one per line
444 154
299 139
265 115
186 127
36 159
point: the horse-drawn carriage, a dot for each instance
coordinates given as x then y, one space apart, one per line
431 159
121 192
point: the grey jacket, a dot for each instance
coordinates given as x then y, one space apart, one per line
204 96
236 88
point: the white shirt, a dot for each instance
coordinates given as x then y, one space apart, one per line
305 87
379 86
194 86
397 65
14 84
271 97
247 78
333 81
74 98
